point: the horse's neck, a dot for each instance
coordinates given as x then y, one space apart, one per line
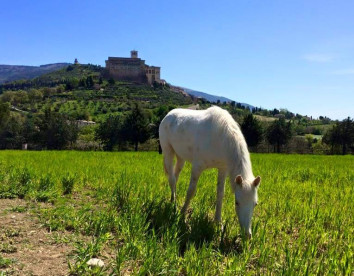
242 166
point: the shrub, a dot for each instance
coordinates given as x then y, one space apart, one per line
68 182
45 191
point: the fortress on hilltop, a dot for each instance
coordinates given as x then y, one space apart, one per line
132 69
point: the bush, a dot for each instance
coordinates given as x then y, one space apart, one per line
45 190
68 182
18 185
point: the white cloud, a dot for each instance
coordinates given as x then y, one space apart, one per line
341 72
318 58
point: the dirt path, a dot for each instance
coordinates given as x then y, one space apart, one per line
27 248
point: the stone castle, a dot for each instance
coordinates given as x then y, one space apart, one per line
132 69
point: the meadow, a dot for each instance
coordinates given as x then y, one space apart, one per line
115 205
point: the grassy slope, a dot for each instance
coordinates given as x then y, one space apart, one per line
78 71
105 99
302 225
97 103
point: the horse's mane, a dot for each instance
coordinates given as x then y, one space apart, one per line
234 140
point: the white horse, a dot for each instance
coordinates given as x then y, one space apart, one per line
210 139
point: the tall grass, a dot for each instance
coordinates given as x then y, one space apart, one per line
303 224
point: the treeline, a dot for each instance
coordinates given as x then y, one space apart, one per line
69 83
55 131
44 131
280 135
45 113
135 128
51 130
341 137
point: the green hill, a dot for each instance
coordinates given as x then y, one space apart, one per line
82 92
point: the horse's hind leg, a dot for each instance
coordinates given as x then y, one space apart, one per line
196 171
178 167
168 165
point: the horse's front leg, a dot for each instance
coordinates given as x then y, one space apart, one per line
219 194
196 171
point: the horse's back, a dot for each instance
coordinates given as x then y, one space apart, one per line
194 135
179 126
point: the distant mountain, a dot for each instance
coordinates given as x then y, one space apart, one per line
212 98
19 72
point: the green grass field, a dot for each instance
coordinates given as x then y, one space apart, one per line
117 205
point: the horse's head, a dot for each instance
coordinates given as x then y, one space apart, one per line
246 199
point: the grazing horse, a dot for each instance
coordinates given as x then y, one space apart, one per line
210 139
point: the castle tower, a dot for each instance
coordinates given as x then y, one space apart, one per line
134 54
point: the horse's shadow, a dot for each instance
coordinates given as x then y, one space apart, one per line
197 229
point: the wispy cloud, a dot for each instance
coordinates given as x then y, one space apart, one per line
342 72
321 58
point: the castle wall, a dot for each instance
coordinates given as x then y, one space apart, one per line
132 69
152 74
126 69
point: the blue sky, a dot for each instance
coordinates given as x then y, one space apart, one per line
297 55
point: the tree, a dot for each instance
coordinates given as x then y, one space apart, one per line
135 129
34 95
4 114
252 130
55 131
347 134
332 138
279 133
29 130
89 82
275 111
111 81
71 84
341 135
82 83
110 132
10 134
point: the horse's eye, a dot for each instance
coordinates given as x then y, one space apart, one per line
237 203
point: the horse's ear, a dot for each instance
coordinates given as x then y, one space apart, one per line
257 181
239 180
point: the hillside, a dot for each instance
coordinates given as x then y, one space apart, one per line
81 92
52 72
50 112
10 73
